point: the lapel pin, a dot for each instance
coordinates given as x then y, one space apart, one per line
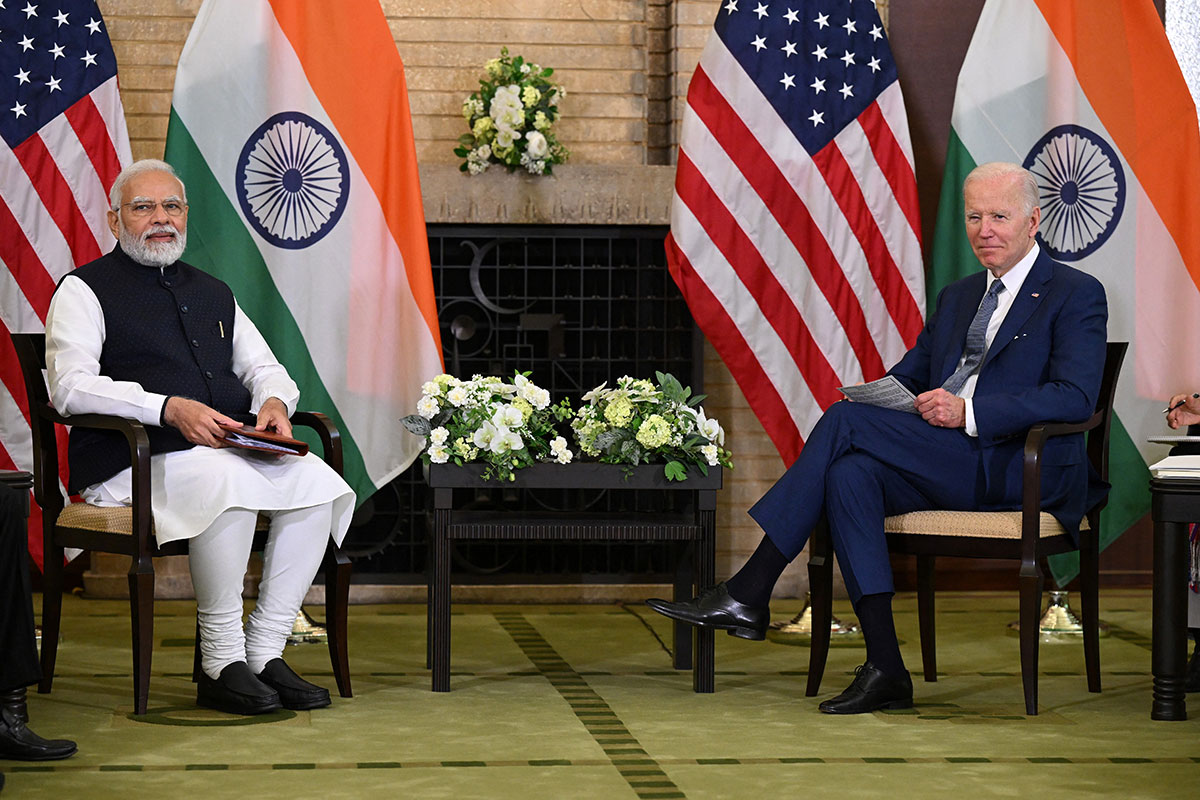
1035 294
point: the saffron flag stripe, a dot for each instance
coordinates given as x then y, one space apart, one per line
710 266
787 266
757 279
791 209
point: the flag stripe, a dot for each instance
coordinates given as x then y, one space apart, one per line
901 306
893 165
371 130
90 128
26 268
56 195
793 215
722 333
756 276
74 165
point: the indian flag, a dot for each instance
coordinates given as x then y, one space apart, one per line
290 126
1087 94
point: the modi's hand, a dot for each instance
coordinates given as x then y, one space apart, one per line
941 408
198 423
273 416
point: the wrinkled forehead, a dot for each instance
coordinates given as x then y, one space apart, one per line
152 187
993 196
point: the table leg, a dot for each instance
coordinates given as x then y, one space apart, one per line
439 602
704 668
681 632
1169 637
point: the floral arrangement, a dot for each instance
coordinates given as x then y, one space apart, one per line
637 422
512 119
504 425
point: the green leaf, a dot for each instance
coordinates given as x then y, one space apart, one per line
697 400
417 424
675 471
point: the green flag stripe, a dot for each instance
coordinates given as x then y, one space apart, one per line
952 254
220 245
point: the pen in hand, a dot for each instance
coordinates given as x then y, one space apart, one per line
1168 410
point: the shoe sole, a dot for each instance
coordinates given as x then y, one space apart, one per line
889 706
240 710
307 705
740 631
39 757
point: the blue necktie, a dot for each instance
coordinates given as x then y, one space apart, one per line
976 342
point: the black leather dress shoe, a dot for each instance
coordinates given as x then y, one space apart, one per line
19 743
294 692
871 691
237 691
714 608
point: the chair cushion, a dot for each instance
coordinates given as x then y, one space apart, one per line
981 524
112 519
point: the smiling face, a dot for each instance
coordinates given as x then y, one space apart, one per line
1000 223
157 239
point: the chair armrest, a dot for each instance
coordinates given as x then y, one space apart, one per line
327 432
1031 476
139 457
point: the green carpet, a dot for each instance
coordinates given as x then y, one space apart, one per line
581 702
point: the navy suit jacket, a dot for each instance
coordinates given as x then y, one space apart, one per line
1044 365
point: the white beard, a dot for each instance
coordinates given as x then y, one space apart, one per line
153 254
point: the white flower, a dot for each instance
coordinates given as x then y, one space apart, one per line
505 136
483 436
505 441
439 435
712 430
431 388
709 451
508 416
427 407
458 395
564 457
535 144
525 69
438 454
558 449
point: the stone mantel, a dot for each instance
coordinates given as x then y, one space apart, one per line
576 194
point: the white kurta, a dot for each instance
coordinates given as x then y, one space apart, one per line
189 488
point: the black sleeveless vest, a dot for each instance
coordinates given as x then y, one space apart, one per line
171 332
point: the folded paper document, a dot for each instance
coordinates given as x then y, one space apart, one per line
1177 467
268 441
886 392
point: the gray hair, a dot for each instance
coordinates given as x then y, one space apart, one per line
140 168
1003 169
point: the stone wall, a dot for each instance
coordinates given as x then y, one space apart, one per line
625 64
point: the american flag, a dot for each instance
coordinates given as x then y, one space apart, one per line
64 141
795 231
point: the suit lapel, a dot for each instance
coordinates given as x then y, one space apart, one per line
1032 293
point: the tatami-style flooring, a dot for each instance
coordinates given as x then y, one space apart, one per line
563 702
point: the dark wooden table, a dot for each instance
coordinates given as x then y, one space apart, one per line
1175 504
696 529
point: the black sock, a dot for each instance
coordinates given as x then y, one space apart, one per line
879 632
753 583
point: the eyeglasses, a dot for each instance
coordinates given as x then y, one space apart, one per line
142 208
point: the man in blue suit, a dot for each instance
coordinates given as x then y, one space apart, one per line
1020 342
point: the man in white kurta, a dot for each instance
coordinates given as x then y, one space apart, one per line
140 334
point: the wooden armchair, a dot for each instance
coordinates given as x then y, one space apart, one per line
1028 535
130 531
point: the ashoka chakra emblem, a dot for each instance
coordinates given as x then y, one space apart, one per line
1082 188
292 180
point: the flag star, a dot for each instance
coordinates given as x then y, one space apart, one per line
26 44
789 48
874 65
22 76
53 83
30 11
850 26
818 85
18 109
93 26
847 91
847 58
761 11
817 118
788 81
820 53
759 43
822 21
88 59
791 16
61 18
57 50
876 33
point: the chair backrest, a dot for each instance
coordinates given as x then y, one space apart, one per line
1098 437
31 354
